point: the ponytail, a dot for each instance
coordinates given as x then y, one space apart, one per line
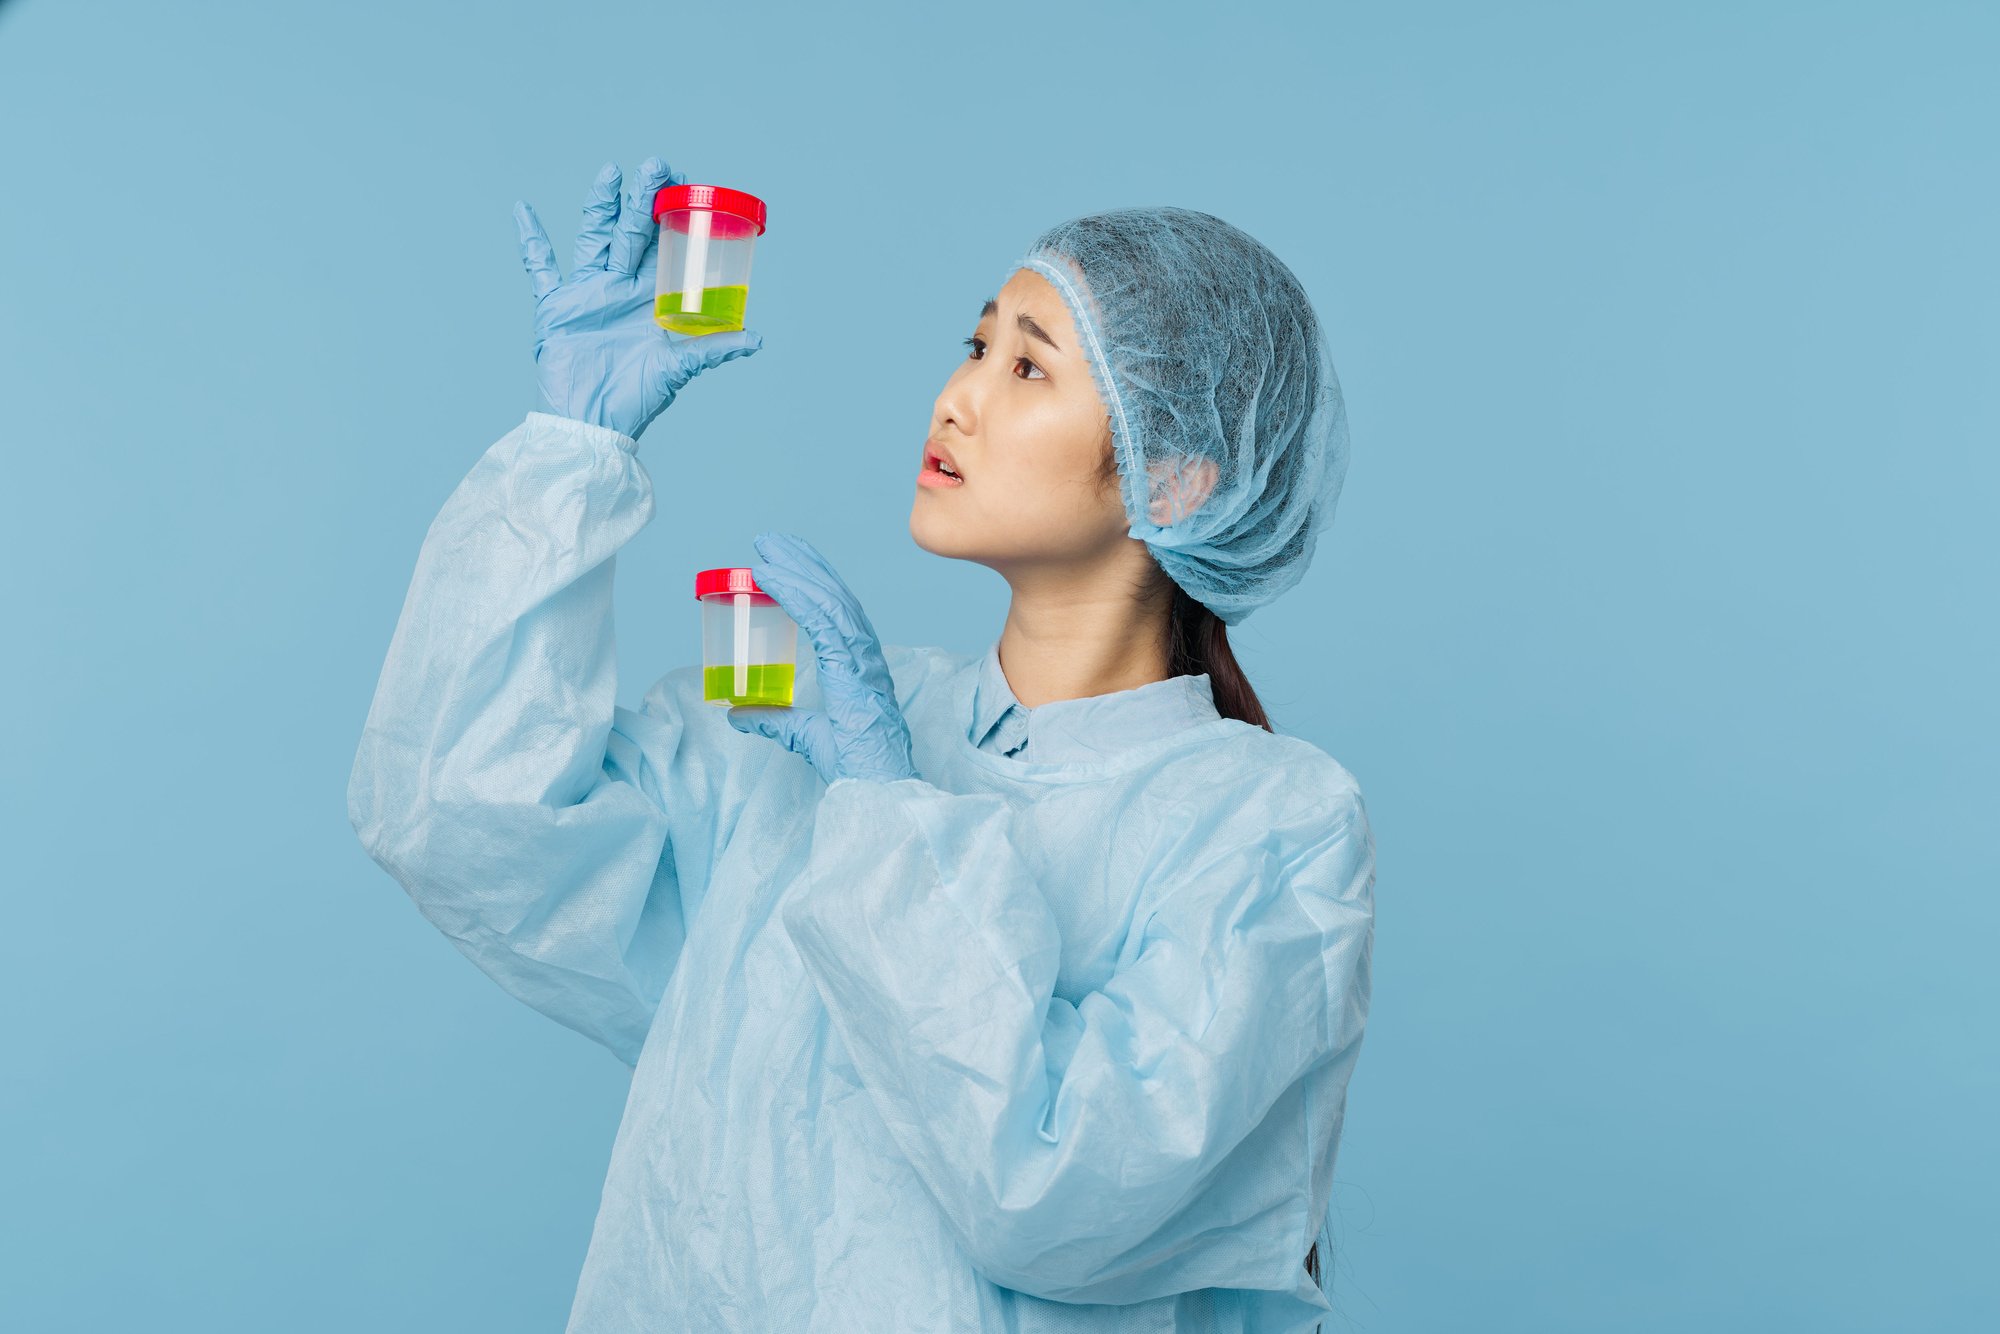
1199 642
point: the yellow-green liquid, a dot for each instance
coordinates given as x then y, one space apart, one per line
770 683
721 308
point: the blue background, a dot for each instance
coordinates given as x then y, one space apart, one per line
1658 624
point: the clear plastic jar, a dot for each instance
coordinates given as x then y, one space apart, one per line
749 646
707 236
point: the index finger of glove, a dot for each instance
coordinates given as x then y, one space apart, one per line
600 215
806 585
537 255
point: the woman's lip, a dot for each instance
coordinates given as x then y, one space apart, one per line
934 456
929 474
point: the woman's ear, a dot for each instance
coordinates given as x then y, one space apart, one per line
1179 491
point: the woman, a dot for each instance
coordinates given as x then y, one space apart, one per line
1015 991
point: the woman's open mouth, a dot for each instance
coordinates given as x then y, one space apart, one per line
937 473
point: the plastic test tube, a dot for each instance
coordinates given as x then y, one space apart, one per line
742 644
694 273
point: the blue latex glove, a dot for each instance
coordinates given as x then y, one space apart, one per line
862 733
598 354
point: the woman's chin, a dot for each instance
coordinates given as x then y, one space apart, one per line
927 533
944 538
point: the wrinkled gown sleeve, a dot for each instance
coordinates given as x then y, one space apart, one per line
560 841
1159 1135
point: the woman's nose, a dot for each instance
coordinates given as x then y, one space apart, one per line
955 404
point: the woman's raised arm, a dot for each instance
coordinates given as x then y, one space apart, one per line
528 816
562 842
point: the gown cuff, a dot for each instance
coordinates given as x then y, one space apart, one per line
589 432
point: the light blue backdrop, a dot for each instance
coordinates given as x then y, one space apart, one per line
1658 623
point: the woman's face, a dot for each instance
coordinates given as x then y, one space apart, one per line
1021 422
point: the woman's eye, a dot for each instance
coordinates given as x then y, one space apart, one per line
978 346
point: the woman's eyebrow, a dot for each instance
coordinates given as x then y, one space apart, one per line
1027 323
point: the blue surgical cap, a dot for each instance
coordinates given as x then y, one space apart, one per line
1206 353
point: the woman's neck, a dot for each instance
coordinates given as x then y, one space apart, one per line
1070 646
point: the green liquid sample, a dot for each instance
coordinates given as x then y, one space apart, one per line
770 683
721 308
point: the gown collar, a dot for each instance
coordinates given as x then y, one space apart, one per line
1091 727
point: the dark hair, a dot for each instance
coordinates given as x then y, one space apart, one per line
1200 643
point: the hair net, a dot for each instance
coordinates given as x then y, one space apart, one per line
1207 355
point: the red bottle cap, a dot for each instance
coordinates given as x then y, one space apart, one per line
733 208
728 582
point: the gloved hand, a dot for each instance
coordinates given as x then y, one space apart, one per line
598 353
862 733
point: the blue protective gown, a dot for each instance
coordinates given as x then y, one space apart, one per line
1056 1037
